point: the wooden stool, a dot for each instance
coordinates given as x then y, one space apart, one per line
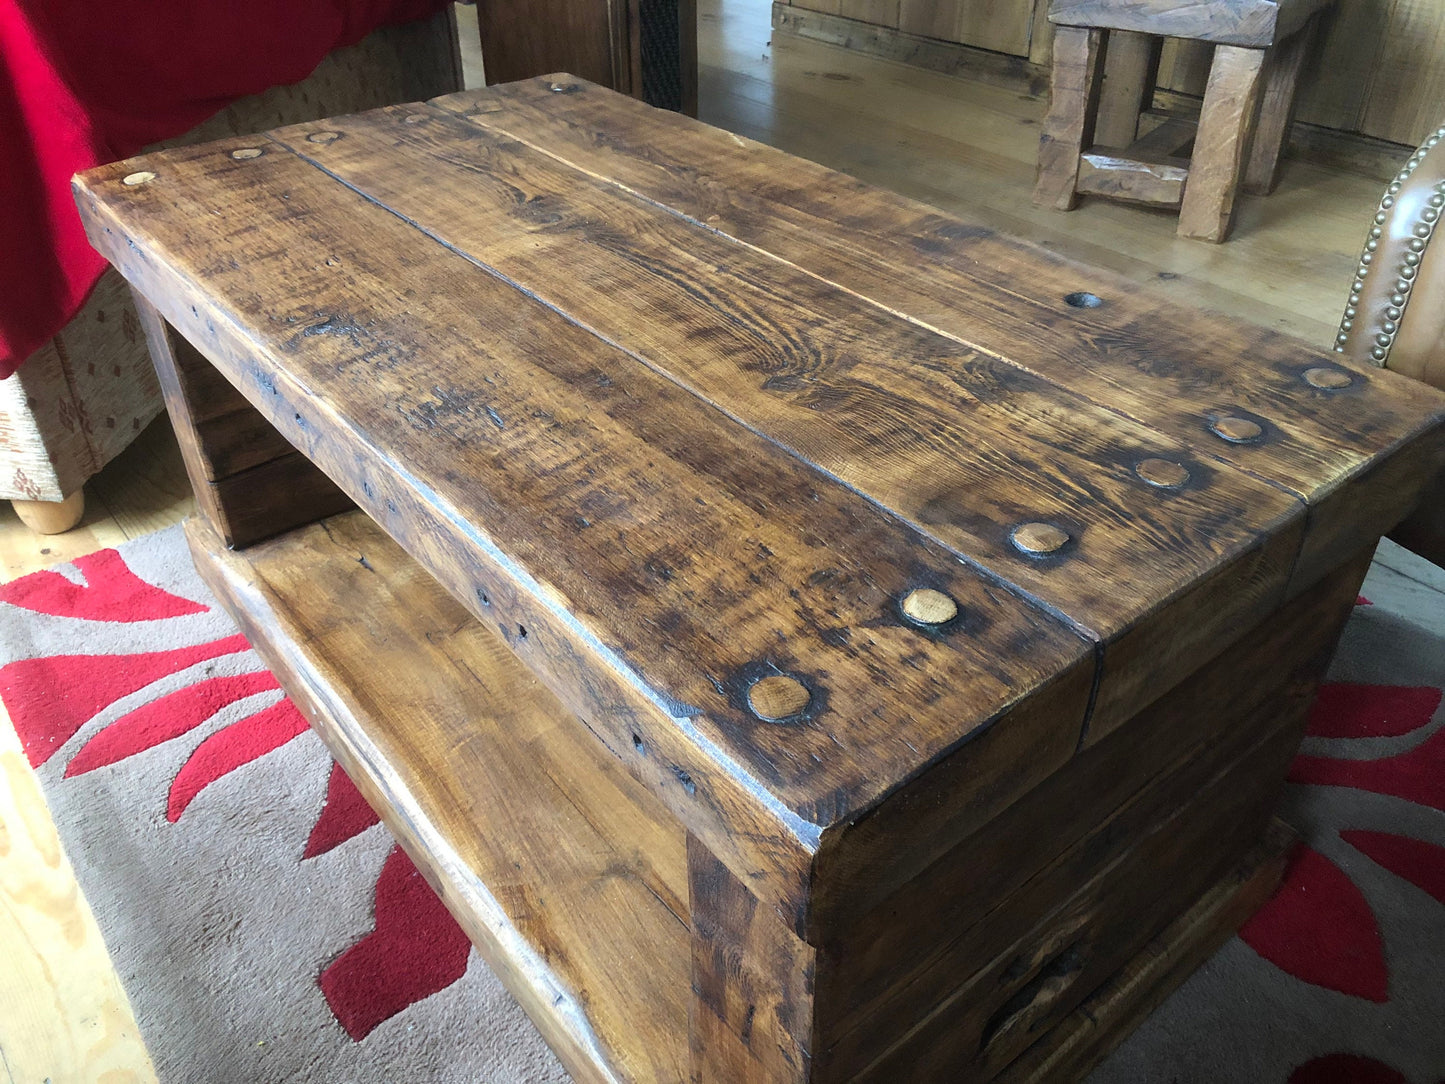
1088 141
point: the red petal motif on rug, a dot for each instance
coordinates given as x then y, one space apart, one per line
230 747
1420 863
112 592
345 814
167 717
1319 928
416 949
1345 1068
51 697
1345 710
1416 775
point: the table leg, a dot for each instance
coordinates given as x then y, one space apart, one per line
1069 126
1130 63
1221 143
1276 110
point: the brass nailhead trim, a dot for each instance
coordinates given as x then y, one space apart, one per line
1422 232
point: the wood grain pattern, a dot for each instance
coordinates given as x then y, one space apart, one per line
855 604
1283 68
1129 63
1006 296
529 831
807 365
1084 816
623 572
1105 173
1086 1036
1221 145
248 481
63 1013
1001 26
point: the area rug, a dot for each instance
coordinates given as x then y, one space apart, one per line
267 928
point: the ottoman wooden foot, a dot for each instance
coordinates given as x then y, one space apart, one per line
51 517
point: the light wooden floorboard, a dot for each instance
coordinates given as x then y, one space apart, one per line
963 146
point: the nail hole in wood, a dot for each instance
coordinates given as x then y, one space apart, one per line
778 697
638 744
144 176
483 598
522 631
686 781
1082 299
1038 539
925 606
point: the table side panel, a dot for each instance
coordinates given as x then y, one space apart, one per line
1135 352
528 831
890 962
684 474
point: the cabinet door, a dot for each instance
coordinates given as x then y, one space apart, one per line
998 25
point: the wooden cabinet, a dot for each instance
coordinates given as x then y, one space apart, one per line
1377 68
645 48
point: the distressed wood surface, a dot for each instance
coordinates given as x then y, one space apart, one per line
803 362
634 473
1074 86
857 552
529 831
1103 172
1251 23
1276 110
1129 64
1132 351
1221 144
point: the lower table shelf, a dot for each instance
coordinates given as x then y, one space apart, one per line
534 837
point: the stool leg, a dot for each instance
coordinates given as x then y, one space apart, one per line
1221 142
1130 63
1069 126
1276 110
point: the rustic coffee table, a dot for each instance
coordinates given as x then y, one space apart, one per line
802 637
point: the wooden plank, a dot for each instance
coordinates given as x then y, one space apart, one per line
1407 84
1052 953
533 835
1221 143
1029 76
524 39
1103 172
1009 297
1069 125
806 364
1247 23
751 1013
1001 26
249 482
673 530
63 1013
1075 1045
1276 111
1129 63
1083 817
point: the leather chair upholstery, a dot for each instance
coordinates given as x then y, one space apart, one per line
1395 316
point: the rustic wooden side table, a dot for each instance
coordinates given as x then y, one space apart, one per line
1105 57
803 637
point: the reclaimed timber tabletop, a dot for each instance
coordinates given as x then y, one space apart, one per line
837 520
